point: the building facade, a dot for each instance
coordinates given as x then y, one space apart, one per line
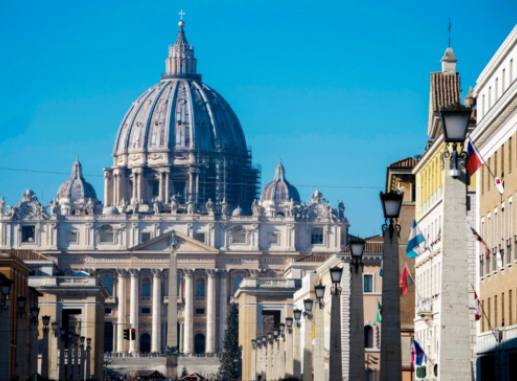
431 175
180 163
495 137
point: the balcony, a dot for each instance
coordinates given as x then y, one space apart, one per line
424 308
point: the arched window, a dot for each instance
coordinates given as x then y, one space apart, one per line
238 235
106 234
368 336
107 282
200 288
146 289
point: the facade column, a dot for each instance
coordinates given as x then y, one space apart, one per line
297 351
107 187
288 345
253 371
223 306
269 359
116 187
188 313
210 312
156 328
121 309
335 355
134 189
319 369
134 310
166 186
160 186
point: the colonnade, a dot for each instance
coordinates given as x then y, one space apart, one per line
129 282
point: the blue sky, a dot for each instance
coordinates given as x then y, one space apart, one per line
335 89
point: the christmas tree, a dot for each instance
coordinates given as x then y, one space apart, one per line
230 369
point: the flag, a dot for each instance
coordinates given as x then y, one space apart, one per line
416 242
484 245
477 306
499 185
473 159
404 283
418 355
378 315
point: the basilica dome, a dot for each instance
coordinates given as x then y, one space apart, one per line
180 113
280 190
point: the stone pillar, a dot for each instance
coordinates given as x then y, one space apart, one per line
253 367
188 313
134 310
210 312
107 187
44 355
223 305
307 349
134 190
335 353
156 328
121 310
166 186
160 186
455 351
172 305
319 369
356 367
288 345
390 333
269 360
297 351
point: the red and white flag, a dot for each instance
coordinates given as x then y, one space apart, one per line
499 185
477 306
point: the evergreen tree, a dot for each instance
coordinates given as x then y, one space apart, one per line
230 369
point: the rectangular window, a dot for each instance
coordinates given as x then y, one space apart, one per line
488 177
483 175
489 96
145 310
317 236
502 160
481 265
510 306
489 312
145 236
496 312
483 108
28 233
482 317
199 236
487 265
510 155
495 163
502 309
368 283
503 78
200 311
496 88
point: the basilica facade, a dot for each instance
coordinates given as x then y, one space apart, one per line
180 164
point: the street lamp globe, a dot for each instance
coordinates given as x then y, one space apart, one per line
319 289
357 247
391 204
307 305
282 328
297 313
45 319
264 340
455 122
335 275
289 322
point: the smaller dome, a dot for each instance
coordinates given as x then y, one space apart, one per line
280 190
76 190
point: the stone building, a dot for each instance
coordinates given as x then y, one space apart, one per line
180 163
495 137
431 192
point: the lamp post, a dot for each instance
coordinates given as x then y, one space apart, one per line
318 355
44 357
390 332
356 369
335 364
454 356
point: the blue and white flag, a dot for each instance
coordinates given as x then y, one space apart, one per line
416 242
418 356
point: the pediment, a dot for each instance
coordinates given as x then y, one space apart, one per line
186 244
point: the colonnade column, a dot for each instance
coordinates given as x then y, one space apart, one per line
210 312
121 309
166 186
188 313
108 186
134 190
223 306
156 328
134 310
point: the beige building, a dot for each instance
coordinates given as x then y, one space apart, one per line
496 137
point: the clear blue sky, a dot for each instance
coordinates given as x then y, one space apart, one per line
335 89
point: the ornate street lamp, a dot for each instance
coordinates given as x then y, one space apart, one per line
307 306
254 343
264 340
297 313
21 301
319 290
34 315
455 122
289 324
335 276
46 320
270 337
391 204
281 327
357 250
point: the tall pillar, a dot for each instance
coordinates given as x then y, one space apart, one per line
160 186
156 328
390 333
253 371
134 189
188 313
210 312
134 310
335 353
166 186
307 349
319 369
107 187
172 305
455 350
288 345
356 367
121 310
269 359
223 306
297 351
